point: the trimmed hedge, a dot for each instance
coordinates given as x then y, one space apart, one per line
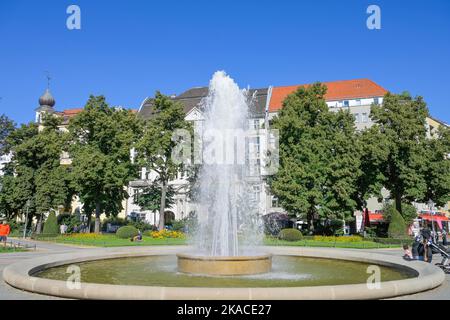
397 225
290 235
127 232
51 227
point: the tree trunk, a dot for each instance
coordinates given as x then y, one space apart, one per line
310 218
162 207
398 202
88 227
97 218
39 224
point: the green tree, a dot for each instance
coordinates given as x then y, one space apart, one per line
437 174
156 146
374 152
150 198
101 139
401 163
6 127
35 173
319 157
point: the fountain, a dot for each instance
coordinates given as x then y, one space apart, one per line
225 209
226 260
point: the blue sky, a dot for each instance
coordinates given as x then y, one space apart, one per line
128 49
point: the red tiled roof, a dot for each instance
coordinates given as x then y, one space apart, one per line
72 112
337 90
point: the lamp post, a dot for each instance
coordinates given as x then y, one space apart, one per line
26 220
431 206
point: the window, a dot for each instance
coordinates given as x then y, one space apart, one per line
274 202
376 101
256 124
257 192
358 102
346 103
364 118
357 119
135 195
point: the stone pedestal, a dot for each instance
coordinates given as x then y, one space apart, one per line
224 266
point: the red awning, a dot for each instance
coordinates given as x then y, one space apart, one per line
430 217
376 217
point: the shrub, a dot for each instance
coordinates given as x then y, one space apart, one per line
290 235
51 227
115 221
179 225
409 213
127 232
141 225
70 220
397 225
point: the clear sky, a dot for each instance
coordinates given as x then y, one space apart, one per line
126 50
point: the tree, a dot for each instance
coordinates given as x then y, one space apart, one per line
6 127
35 174
372 180
150 198
101 139
319 157
156 145
437 174
401 162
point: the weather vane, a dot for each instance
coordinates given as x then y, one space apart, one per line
48 79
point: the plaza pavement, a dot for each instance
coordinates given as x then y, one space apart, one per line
44 248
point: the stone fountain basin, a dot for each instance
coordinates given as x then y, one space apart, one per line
21 275
224 266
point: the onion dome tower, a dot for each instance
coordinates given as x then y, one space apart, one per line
46 103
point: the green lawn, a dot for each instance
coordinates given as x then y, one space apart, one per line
329 244
107 240
10 249
113 241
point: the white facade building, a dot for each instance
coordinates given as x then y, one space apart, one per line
4 159
355 95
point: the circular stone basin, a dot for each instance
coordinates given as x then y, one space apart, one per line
224 266
287 271
152 274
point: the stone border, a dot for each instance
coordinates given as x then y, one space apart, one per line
20 275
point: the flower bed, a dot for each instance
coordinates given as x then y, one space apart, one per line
166 234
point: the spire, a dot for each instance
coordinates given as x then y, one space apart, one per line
47 100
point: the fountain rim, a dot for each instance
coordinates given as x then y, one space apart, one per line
224 258
20 275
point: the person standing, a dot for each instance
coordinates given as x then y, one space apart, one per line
4 231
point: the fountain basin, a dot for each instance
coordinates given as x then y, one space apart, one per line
24 275
224 266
